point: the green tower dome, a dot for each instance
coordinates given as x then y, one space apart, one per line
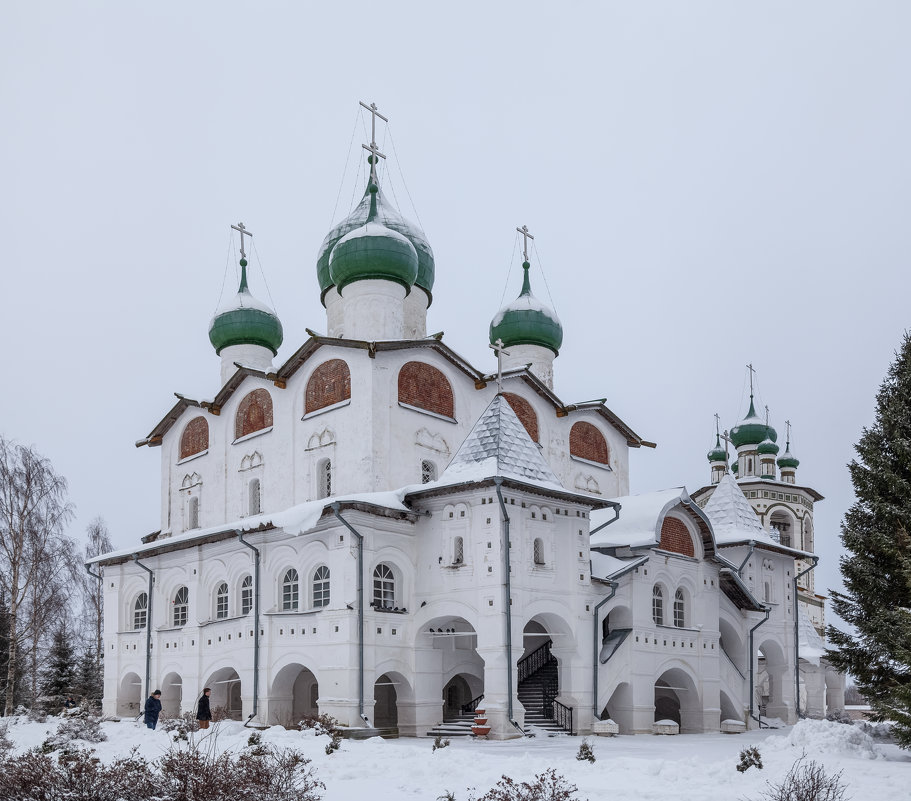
752 430
734 467
527 321
787 459
245 321
718 454
767 447
389 217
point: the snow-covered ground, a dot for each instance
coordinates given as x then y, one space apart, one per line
643 767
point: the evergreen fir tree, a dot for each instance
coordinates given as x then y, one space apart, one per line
59 674
89 683
876 534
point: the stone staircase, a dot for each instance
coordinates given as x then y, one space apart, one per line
532 692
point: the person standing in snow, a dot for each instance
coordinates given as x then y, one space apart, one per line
203 712
153 709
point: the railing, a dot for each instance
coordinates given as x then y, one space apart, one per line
472 705
563 716
535 661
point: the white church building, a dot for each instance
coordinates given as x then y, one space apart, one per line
378 530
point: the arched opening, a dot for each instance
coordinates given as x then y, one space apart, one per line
447 646
294 695
783 524
548 645
773 687
677 699
226 687
171 695
385 710
456 694
729 710
732 648
129 695
619 708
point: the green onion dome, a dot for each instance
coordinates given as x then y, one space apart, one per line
767 447
752 430
734 467
718 454
527 321
387 216
787 459
244 320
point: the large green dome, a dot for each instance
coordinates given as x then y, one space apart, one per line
527 321
245 321
389 217
752 430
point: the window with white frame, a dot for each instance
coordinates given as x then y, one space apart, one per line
141 611
254 498
658 605
428 471
538 549
383 587
246 595
290 590
679 609
324 478
458 551
321 587
192 513
221 601
181 606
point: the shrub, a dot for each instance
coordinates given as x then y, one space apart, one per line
181 727
749 757
840 716
6 744
447 796
439 742
335 743
320 724
547 786
77 727
254 739
585 752
806 781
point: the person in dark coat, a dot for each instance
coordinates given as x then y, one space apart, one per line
153 709
203 711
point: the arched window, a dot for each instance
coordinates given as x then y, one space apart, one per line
679 609
539 551
330 383
657 605
290 590
193 513
221 601
254 413
587 442
321 587
383 587
428 471
141 611
181 606
458 551
195 437
246 595
324 478
524 412
253 497
423 386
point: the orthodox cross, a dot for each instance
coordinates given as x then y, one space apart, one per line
752 370
767 415
500 349
372 148
524 231
243 232
788 439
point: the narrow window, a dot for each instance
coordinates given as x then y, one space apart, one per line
539 551
324 478
181 606
141 611
768 592
428 471
290 590
193 513
246 595
321 587
253 497
679 610
221 601
383 587
657 605
458 551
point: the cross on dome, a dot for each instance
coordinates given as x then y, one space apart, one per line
243 232
524 231
372 147
500 349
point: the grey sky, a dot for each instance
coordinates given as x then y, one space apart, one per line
709 184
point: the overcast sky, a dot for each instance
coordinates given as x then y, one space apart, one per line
709 184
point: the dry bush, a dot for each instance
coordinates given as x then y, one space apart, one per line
440 742
76 727
181 727
806 781
547 786
321 724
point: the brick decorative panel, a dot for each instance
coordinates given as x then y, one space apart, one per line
253 414
524 412
195 437
330 383
424 386
587 442
675 537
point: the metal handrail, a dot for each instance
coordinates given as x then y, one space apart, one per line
563 716
472 705
535 661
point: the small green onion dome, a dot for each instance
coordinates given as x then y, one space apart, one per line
767 447
718 454
388 216
752 430
734 467
787 459
245 321
527 321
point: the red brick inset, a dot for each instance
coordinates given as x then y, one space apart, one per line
329 384
253 414
424 386
675 537
524 412
587 442
195 437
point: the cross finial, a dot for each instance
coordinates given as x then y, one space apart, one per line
752 370
524 231
726 439
788 439
767 415
243 232
375 154
500 350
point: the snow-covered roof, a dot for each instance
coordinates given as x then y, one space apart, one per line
640 519
733 518
811 645
605 567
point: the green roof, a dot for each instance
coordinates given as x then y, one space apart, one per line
752 430
718 454
767 447
527 321
245 321
787 459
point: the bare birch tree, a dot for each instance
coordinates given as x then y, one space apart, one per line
99 542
